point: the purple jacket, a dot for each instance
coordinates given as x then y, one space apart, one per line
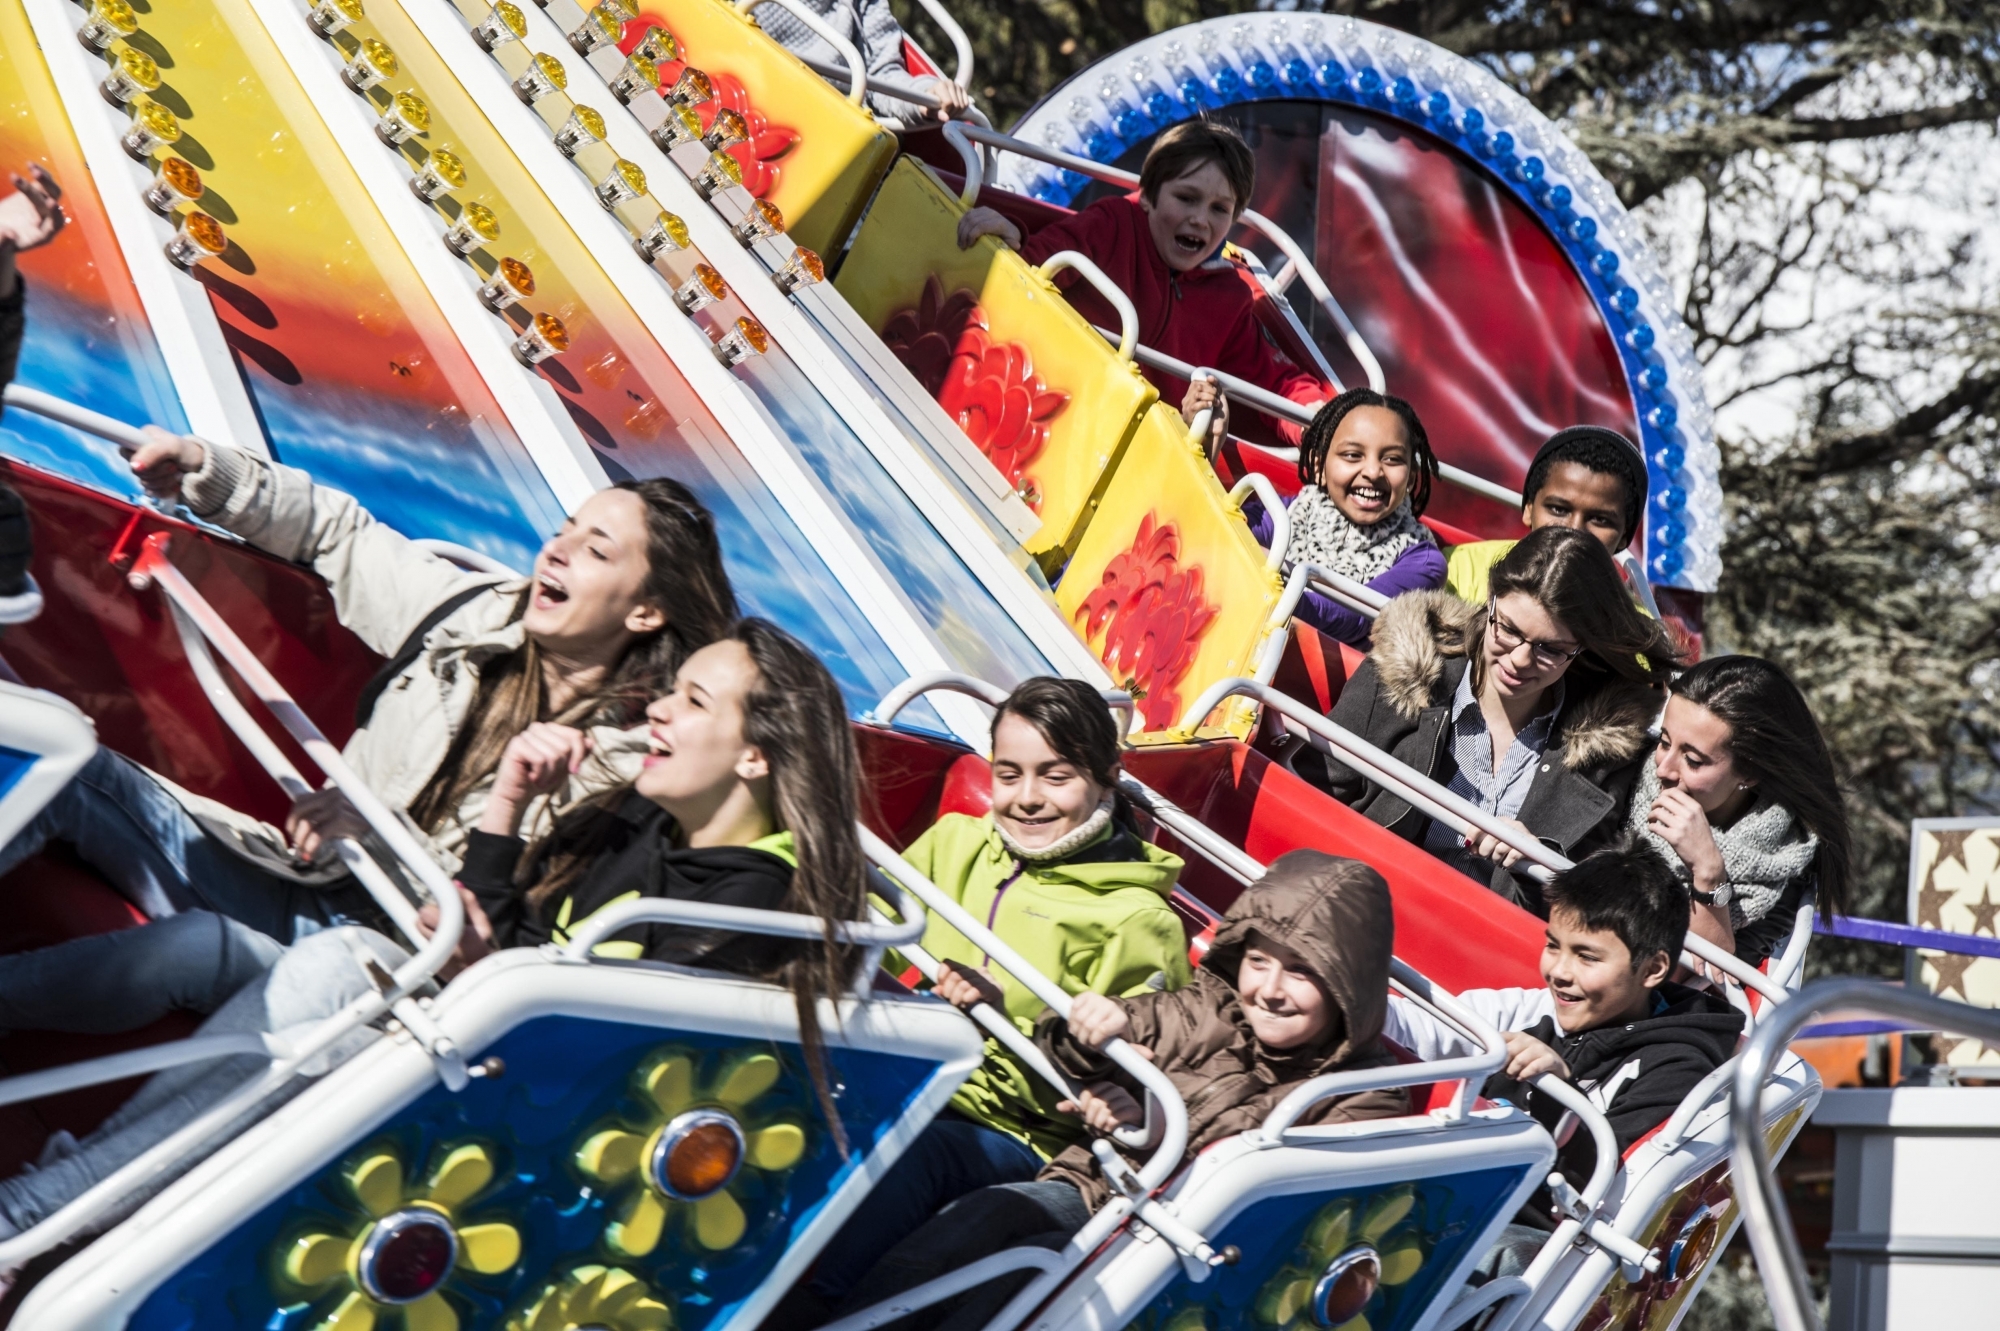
1421 568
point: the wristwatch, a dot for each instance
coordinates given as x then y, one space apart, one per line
1705 898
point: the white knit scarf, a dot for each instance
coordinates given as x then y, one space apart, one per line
1323 535
1067 844
1762 851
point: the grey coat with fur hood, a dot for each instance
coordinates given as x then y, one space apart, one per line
1400 701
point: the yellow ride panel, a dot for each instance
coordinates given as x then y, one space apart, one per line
1027 378
1168 586
822 179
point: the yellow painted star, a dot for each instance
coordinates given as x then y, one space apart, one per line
617 1156
390 1269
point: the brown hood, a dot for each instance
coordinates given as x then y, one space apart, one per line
1606 720
1336 914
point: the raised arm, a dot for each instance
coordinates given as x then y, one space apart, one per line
382 584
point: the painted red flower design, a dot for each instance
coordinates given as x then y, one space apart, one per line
1153 615
989 387
759 154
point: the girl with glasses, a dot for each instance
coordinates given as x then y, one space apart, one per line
1535 707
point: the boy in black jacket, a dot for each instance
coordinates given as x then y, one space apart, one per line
1607 1019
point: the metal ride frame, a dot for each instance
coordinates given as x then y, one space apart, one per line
1581 1223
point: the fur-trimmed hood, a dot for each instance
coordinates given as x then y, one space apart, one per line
1605 720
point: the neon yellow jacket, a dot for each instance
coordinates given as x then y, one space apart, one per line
1100 925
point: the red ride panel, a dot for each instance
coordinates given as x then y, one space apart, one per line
114 652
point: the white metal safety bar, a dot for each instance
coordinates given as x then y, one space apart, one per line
856 73
1765 1215
1435 800
1264 400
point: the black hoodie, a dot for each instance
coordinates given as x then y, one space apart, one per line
634 855
1636 1073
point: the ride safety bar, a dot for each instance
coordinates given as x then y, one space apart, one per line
1765 1216
1435 800
389 993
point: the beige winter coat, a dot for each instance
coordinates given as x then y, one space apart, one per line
383 586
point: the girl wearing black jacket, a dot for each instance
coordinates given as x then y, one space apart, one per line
1536 707
747 798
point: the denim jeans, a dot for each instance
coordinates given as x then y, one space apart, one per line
126 826
313 980
950 1158
1044 1214
129 978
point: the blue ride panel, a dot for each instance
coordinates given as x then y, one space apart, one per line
1421 1230
574 1096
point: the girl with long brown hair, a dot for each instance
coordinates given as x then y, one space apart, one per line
747 797
629 586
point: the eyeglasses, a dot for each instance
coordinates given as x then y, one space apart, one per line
1507 638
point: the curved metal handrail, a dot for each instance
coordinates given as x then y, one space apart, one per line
857 68
961 45
775 923
1764 1212
975 168
76 417
1439 803
1274 504
1264 400
1084 266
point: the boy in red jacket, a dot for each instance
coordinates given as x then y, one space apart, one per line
1162 246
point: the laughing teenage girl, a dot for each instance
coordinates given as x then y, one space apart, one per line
1365 470
619 597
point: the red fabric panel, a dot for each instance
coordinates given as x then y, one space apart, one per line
968 787
114 652
1452 929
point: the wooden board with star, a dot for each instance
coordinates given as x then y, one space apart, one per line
1955 885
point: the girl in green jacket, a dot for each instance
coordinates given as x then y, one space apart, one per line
1060 873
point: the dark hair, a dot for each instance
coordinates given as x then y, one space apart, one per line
1318 438
1777 744
794 712
1627 889
1572 576
797 716
684 577
1072 719
1594 448
1189 145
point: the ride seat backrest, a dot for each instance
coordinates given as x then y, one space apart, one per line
1313 669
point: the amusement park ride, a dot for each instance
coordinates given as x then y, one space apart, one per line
471 262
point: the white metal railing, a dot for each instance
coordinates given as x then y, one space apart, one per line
1264 400
856 73
389 993
1128 317
1281 518
961 45
1435 800
75 416
1765 1215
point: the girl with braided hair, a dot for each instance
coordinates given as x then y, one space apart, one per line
1366 468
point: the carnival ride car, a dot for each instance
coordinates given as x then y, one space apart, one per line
470 263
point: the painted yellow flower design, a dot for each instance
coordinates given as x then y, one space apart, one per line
595 1298
1345 1259
394 1265
693 1147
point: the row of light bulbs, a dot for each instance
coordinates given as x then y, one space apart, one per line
131 78
625 181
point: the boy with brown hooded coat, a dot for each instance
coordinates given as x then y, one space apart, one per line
1295 986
